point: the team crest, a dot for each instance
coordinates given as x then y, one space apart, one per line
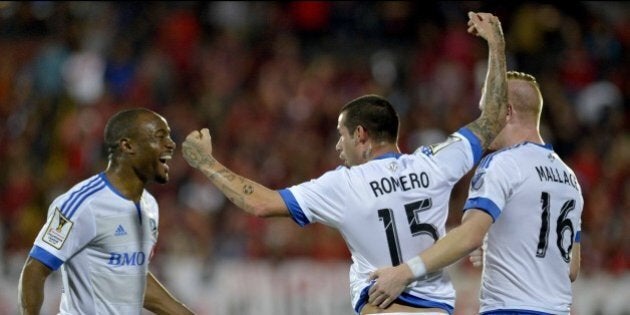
153 226
477 180
392 167
58 229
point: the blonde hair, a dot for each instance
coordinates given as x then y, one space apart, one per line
525 98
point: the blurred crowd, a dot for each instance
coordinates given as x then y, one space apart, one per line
268 80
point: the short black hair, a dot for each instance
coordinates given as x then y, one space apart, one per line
123 124
375 114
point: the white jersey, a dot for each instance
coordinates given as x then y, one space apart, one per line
102 242
389 210
536 204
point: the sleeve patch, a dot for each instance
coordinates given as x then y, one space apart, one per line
435 148
57 230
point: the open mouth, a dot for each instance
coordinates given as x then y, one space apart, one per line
164 160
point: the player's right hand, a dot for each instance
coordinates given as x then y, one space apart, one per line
197 148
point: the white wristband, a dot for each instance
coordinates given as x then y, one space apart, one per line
417 266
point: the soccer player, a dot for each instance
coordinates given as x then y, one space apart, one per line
102 231
529 204
388 206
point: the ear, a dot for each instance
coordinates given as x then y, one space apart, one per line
361 134
126 146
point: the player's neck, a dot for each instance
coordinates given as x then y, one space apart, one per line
382 148
123 180
523 134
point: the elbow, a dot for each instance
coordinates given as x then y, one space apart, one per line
264 210
259 211
474 241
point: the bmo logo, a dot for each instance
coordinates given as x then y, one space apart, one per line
127 259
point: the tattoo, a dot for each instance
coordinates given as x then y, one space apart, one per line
195 157
248 189
495 98
223 178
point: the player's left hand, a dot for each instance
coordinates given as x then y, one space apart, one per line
389 283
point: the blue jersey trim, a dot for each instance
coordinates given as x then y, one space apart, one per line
49 260
111 187
547 146
137 204
578 236
404 299
76 194
388 155
84 196
513 312
475 144
294 207
484 204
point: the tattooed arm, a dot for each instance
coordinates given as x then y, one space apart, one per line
494 97
247 194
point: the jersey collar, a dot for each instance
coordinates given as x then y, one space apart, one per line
388 155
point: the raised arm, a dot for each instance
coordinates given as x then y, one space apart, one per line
494 96
31 286
247 194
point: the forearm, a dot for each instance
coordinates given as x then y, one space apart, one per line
159 301
31 288
494 98
247 194
574 270
31 296
455 245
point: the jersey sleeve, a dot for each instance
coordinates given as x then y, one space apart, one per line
62 235
318 200
492 184
457 155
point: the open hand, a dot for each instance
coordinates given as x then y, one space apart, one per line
389 283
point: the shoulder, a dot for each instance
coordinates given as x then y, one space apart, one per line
76 198
507 156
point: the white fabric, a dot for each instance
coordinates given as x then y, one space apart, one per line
521 270
105 253
392 200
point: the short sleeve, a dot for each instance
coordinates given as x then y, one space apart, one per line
457 155
318 200
62 236
491 185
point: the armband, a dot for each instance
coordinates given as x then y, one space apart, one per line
417 266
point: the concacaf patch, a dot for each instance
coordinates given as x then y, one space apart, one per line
439 146
57 230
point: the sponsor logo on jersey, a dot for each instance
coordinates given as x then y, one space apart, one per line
127 259
58 229
120 231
